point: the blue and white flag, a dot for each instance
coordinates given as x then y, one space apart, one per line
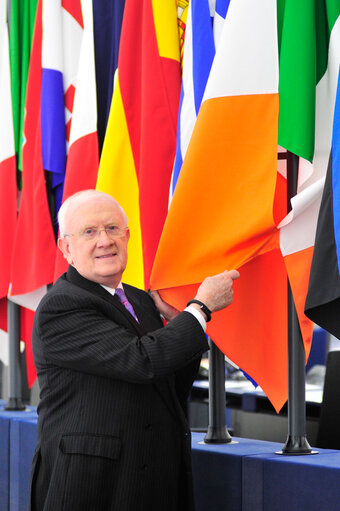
202 33
61 42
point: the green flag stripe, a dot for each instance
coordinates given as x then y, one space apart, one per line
22 19
304 29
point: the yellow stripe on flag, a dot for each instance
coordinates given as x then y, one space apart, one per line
117 177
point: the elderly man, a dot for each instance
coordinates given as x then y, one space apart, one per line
112 434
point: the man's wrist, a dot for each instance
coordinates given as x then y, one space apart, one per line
199 315
202 307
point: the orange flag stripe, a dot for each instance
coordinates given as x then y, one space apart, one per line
215 173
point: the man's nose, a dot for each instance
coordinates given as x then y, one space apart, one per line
103 238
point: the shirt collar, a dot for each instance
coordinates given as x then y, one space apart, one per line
112 290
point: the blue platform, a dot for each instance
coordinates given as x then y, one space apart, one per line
13 482
250 476
245 475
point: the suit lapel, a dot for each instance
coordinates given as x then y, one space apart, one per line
75 277
149 321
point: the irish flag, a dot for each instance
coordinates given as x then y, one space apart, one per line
228 209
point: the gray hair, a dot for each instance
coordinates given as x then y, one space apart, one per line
78 199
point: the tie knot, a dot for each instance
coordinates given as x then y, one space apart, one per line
122 297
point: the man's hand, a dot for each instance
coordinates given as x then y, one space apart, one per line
167 311
217 292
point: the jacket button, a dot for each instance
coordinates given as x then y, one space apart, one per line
143 467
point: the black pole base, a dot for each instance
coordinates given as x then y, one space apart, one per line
14 404
217 435
296 445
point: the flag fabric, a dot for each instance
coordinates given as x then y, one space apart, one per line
309 59
61 43
323 296
8 184
140 142
224 226
198 54
82 159
34 245
107 24
230 193
22 21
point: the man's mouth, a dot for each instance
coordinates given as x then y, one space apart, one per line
106 256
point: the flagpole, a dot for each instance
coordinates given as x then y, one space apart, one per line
217 430
296 442
14 367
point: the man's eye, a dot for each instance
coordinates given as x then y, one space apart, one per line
89 232
111 228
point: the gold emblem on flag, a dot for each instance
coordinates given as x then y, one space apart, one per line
182 13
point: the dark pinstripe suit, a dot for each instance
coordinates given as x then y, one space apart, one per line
112 434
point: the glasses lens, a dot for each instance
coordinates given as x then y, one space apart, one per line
112 231
89 233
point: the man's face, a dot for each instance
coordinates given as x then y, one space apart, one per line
102 259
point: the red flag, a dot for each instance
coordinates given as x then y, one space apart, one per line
82 160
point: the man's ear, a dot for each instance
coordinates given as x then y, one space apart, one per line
63 245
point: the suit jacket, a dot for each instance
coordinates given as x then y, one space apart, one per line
112 434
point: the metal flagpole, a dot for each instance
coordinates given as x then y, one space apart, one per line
217 430
14 365
296 442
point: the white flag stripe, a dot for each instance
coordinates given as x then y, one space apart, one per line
62 37
72 40
240 76
51 53
6 118
188 114
298 228
300 233
84 119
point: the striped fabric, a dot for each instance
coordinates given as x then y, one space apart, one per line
82 159
139 147
231 191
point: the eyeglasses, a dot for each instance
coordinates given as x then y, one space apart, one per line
90 233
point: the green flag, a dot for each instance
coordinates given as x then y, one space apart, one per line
22 18
304 29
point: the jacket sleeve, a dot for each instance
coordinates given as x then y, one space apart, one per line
73 332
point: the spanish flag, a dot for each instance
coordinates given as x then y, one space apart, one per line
140 142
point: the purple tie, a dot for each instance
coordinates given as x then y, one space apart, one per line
122 297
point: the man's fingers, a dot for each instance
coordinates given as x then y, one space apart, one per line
234 274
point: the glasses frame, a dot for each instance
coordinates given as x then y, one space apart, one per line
109 233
